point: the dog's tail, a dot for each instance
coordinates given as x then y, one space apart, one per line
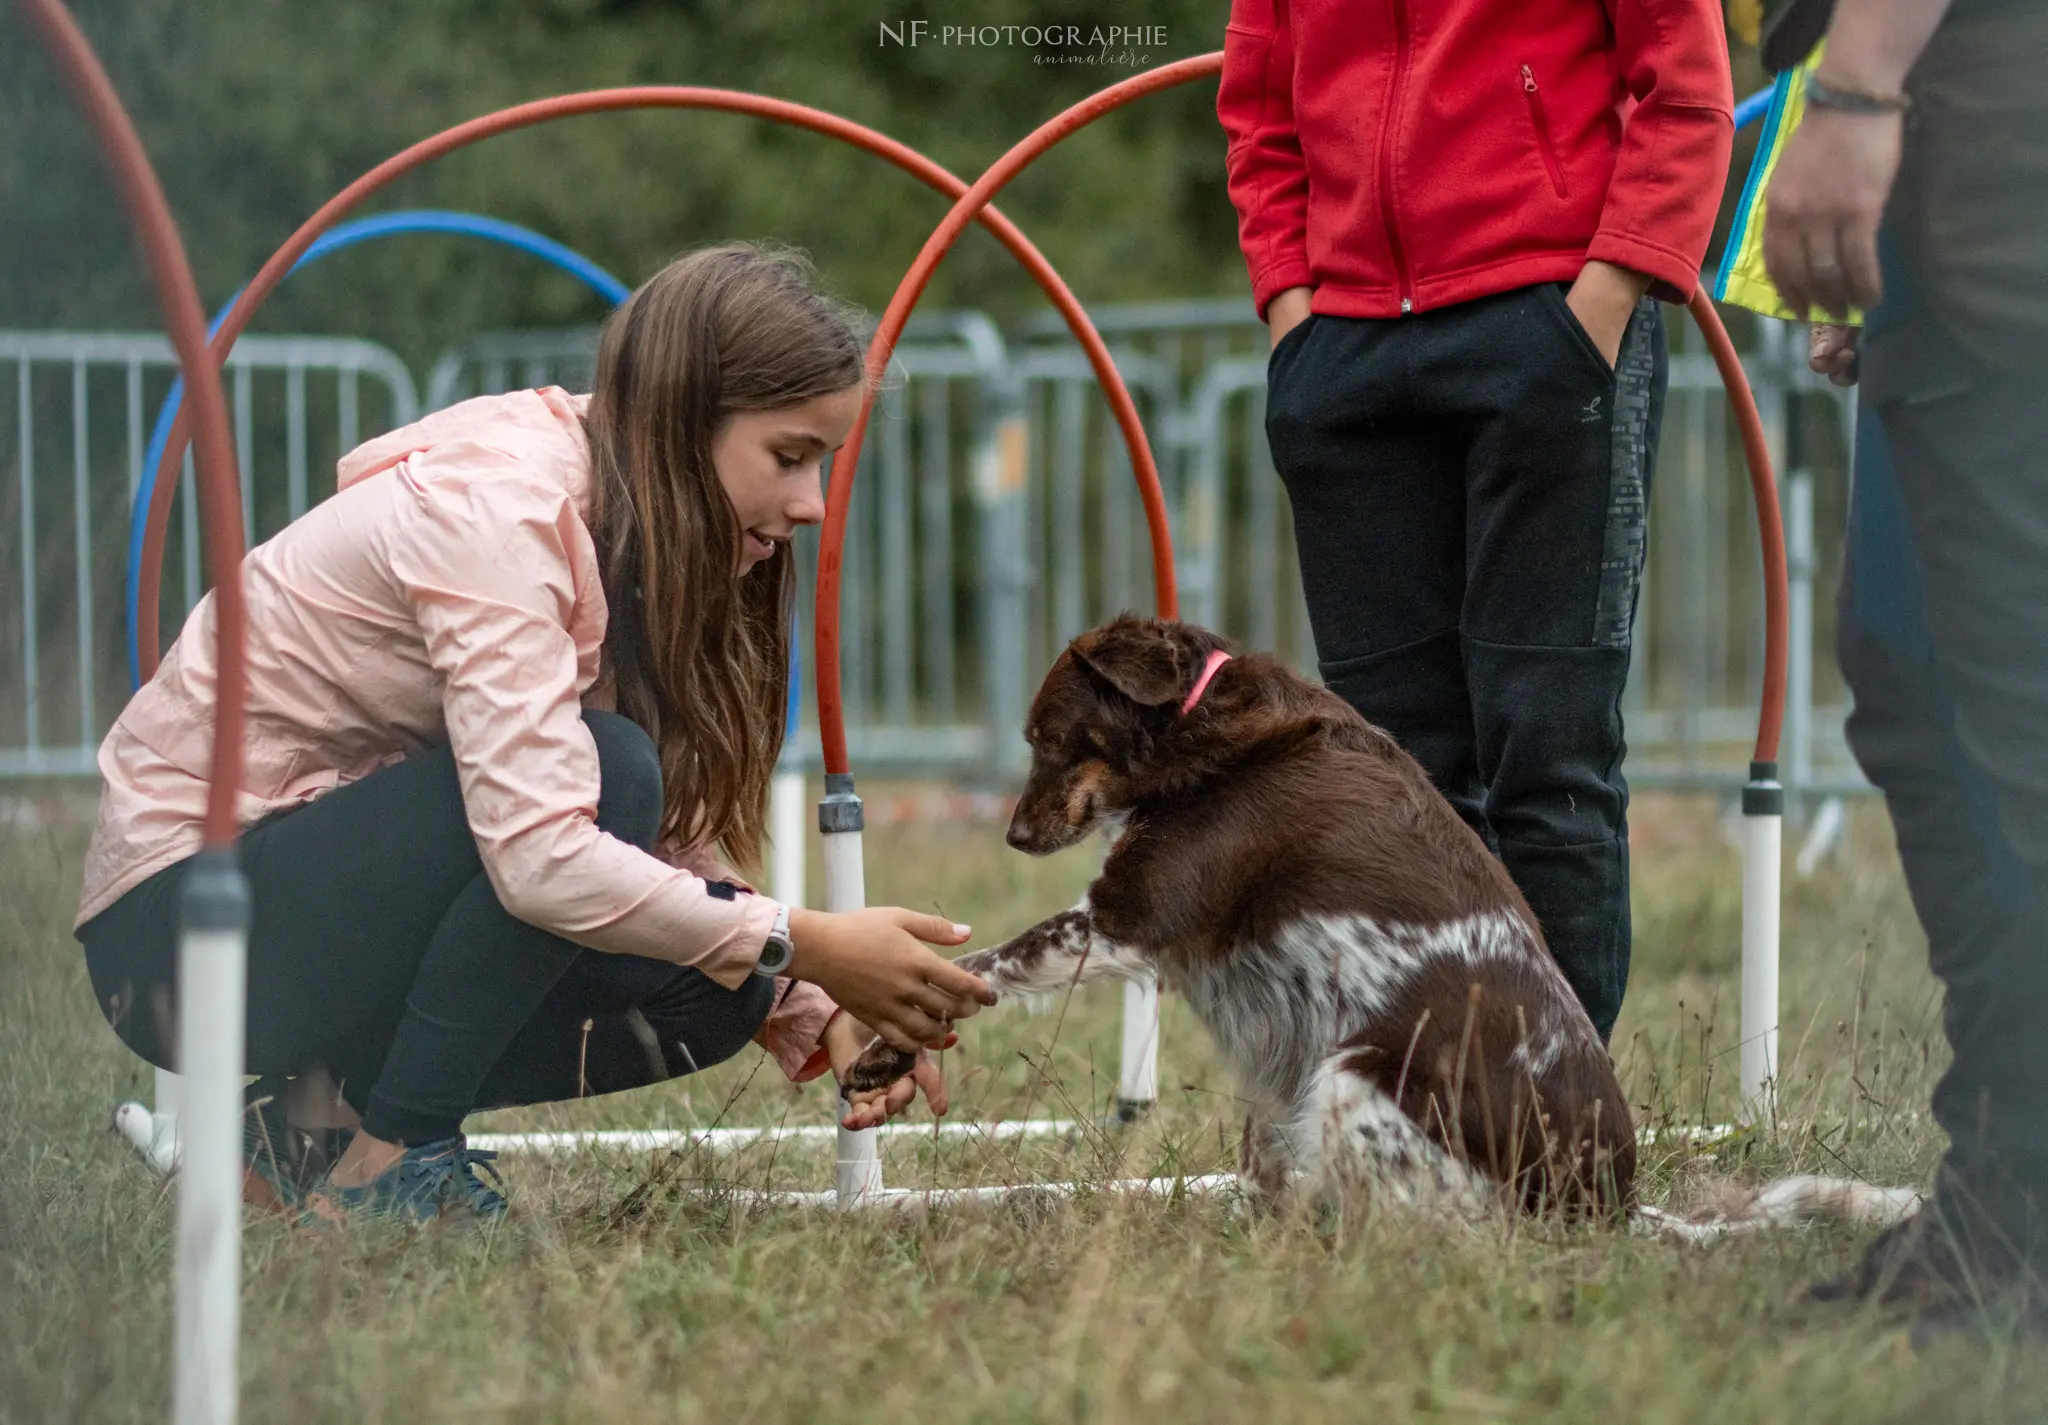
1785 1202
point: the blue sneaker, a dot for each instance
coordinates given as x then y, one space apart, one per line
421 1186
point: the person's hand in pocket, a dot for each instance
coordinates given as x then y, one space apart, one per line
1288 310
1603 299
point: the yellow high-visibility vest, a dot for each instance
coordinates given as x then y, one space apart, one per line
1742 279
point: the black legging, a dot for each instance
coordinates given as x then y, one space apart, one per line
378 948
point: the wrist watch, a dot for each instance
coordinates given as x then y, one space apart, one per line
777 950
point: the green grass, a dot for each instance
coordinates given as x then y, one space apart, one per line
623 1295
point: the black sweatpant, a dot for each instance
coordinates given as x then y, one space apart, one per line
378 948
1943 638
1470 487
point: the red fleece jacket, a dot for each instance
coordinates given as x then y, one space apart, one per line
1399 155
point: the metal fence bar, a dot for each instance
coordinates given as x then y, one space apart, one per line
347 418
896 570
1116 518
245 452
935 516
295 440
188 527
1262 531
950 616
103 414
81 562
31 661
1066 565
135 446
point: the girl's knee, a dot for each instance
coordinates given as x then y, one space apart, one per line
715 1025
629 798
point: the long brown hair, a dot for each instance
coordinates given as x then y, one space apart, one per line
698 657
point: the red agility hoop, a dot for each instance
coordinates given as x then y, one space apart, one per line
645 97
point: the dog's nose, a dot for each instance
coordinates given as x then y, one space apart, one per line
1019 836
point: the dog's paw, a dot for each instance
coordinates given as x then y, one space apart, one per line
878 1066
978 962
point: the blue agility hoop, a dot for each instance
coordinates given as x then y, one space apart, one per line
334 240
1752 108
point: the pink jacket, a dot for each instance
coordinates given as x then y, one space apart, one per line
447 593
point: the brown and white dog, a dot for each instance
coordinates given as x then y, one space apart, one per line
1368 970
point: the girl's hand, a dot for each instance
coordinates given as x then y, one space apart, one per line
872 963
844 1039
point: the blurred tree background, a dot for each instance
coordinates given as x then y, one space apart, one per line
258 111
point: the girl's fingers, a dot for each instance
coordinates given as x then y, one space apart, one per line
964 985
933 929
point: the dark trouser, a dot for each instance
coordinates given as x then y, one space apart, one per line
378 949
1943 635
1470 488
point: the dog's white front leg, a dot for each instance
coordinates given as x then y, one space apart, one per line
1060 951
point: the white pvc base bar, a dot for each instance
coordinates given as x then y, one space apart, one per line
154 1132
916 1199
654 1140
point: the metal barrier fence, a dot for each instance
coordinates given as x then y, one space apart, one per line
996 519
76 430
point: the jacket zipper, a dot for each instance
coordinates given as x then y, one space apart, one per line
1390 122
1543 144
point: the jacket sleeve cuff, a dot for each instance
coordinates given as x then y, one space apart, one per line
1672 274
1270 281
793 1028
733 958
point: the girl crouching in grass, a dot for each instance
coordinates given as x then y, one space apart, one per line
513 692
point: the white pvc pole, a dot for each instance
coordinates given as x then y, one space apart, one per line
857 1174
212 969
1137 1085
786 835
1763 823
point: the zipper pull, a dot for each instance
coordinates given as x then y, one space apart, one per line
1528 81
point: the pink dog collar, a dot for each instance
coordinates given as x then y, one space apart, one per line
1217 658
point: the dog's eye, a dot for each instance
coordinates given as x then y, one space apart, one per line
1095 742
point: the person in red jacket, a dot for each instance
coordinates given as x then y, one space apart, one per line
1457 216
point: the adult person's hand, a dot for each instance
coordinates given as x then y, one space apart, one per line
1831 352
1287 310
1603 299
844 1039
1823 207
875 963
1828 193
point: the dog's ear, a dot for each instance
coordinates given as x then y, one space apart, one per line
1150 662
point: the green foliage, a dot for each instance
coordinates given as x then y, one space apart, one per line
257 112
